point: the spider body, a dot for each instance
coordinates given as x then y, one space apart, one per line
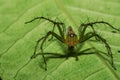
71 39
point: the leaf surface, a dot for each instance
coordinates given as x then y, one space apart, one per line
17 39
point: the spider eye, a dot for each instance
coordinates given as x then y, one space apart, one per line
71 35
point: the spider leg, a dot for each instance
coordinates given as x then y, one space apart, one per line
54 22
100 22
92 34
34 54
52 33
41 47
90 24
61 30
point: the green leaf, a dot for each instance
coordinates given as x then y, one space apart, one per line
17 40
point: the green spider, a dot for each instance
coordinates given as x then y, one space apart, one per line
71 40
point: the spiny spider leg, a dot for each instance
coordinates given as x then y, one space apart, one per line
92 34
34 54
41 47
90 24
84 26
99 22
52 31
53 55
54 22
57 55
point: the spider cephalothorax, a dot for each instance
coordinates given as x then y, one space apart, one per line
71 40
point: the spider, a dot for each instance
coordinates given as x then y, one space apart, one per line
71 39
